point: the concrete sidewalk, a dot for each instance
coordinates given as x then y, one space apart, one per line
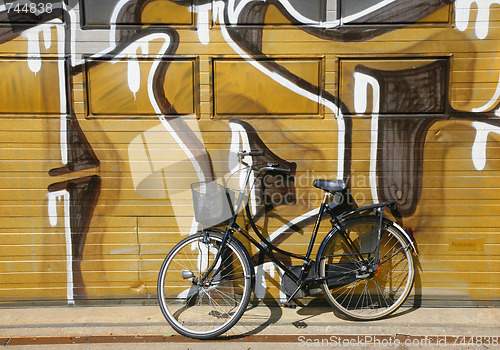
137 327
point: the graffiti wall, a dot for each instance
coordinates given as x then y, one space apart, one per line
110 110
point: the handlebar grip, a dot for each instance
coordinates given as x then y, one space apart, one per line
281 170
256 153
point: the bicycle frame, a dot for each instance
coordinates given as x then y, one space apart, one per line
302 281
268 248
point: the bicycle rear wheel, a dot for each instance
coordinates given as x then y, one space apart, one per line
359 291
210 309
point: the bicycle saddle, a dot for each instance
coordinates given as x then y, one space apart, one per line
330 185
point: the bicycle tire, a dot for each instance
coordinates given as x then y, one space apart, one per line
374 294
209 310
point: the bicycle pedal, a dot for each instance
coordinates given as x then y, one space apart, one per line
288 305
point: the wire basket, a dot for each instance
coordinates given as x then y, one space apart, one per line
213 203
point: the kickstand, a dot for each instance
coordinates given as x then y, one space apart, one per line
289 303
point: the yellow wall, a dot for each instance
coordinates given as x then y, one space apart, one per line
95 184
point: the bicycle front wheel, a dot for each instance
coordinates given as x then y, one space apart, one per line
209 309
362 290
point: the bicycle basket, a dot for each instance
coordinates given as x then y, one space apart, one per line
213 203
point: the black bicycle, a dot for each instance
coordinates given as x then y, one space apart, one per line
364 266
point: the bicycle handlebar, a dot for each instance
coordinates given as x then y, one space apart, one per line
242 154
269 166
279 170
256 153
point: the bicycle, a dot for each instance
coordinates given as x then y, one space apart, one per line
364 266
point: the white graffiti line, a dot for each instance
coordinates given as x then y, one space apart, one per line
73 29
291 224
134 69
162 118
133 72
203 22
239 142
462 15
273 75
304 20
112 33
203 256
195 226
134 76
235 11
33 36
61 66
131 52
35 64
53 197
47 37
260 279
480 143
113 19
341 148
365 12
361 82
491 102
219 10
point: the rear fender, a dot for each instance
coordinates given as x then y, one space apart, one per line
332 232
408 238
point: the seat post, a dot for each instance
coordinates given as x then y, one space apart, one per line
327 195
316 226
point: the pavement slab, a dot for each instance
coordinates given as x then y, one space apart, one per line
143 326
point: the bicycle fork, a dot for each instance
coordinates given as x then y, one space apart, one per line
218 256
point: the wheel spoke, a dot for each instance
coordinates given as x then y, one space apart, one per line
373 294
204 310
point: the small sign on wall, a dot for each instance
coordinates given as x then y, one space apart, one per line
466 244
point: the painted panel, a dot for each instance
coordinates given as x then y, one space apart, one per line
121 88
32 86
395 12
394 86
104 13
294 12
240 89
